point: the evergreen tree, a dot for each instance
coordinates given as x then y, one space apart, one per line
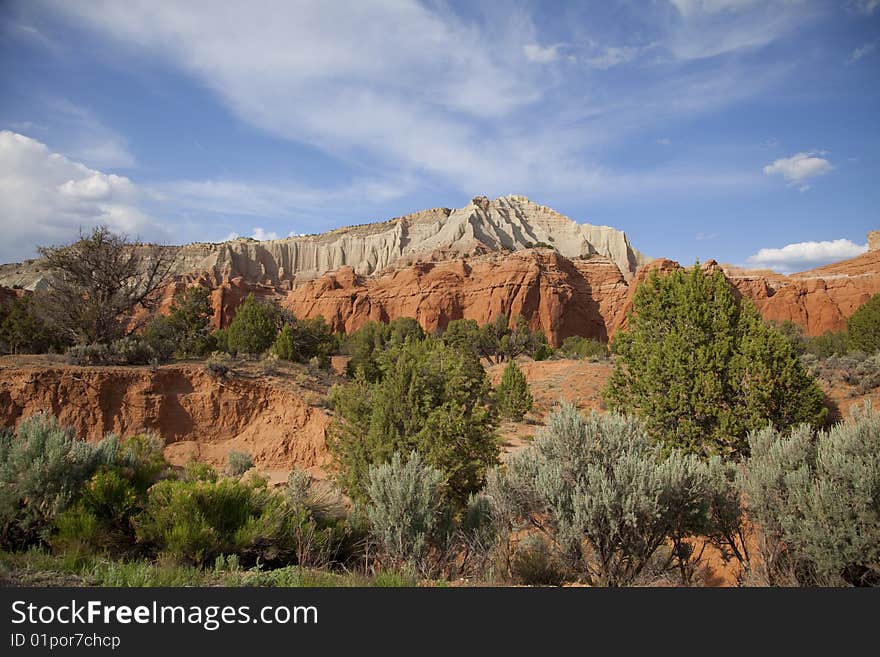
701 369
186 330
863 328
429 398
254 327
513 396
23 330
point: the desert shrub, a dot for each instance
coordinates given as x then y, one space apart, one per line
830 343
462 334
513 397
298 487
198 471
125 351
604 495
141 460
576 346
365 344
497 341
101 519
793 333
220 338
816 500
254 327
534 563
238 463
543 352
196 521
405 509
863 328
217 368
23 330
42 466
430 398
305 340
189 323
161 337
701 369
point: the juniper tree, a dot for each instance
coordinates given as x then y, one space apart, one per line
700 368
427 397
254 327
863 328
513 397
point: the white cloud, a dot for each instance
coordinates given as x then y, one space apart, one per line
430 97
46 198
706 236
867 7
805 255
541 54
85 137
280 199
709 28
664 141
262 235
862 51
612 56
800 167
689 8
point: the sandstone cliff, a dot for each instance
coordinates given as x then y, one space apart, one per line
562 296
509 223
199 416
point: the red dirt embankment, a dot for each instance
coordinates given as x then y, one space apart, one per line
198 415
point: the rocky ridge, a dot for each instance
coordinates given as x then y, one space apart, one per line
509 223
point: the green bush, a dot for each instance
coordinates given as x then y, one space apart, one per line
513 397
863 328
239 462
254 328
304 340
188 323
367 343
576 346
196 521
24 331
701 369
125 351
816 499
197 471
405 509
101 520
220 338
607 497
828 344
534 563
430 398
42 466
497 341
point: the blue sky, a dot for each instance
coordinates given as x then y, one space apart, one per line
742 130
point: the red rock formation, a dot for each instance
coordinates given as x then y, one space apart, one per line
818 300
567 297
198 415
564 297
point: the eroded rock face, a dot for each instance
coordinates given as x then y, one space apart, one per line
566 297
563 297
509 223
818 300
196 414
